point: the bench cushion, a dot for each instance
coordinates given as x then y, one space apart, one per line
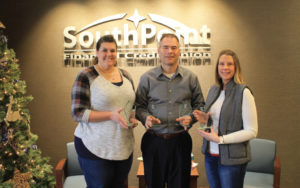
77 181
73 164
258 180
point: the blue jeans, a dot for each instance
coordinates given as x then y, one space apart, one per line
103 173
221 176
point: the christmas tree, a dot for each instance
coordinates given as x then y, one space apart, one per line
21 162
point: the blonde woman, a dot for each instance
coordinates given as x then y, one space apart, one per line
232 115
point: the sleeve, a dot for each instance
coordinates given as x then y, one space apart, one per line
81 106
141 101
249 115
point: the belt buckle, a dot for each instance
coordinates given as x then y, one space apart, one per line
166 136
169 136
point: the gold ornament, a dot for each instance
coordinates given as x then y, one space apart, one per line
10 133
20 180
3 61
2 26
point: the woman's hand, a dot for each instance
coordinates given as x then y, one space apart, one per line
117 117
133 121
210 136
202 117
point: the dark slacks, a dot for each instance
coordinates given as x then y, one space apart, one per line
167 161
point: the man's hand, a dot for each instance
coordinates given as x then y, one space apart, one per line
150 121
184 121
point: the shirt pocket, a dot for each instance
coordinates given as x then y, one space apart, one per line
158 110
238 150
184 108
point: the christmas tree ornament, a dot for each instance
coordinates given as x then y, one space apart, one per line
34 147
10 133
3 38
32 182
4 136
21 180
2 26
3 61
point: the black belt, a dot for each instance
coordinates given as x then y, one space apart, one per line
166 136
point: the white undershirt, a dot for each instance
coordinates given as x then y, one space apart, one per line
169 75
249 116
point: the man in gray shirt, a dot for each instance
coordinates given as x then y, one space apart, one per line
165 99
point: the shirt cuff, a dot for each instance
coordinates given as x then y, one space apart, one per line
86 116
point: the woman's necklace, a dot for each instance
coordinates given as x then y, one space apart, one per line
110 75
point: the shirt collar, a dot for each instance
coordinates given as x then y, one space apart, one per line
159 72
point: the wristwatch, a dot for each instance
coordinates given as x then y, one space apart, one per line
221 140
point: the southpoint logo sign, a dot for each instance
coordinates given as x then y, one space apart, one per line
137 46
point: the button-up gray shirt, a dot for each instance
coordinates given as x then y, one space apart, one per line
168 98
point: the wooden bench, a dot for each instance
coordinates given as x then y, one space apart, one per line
142 182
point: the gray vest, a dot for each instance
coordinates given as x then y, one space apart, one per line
230 121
